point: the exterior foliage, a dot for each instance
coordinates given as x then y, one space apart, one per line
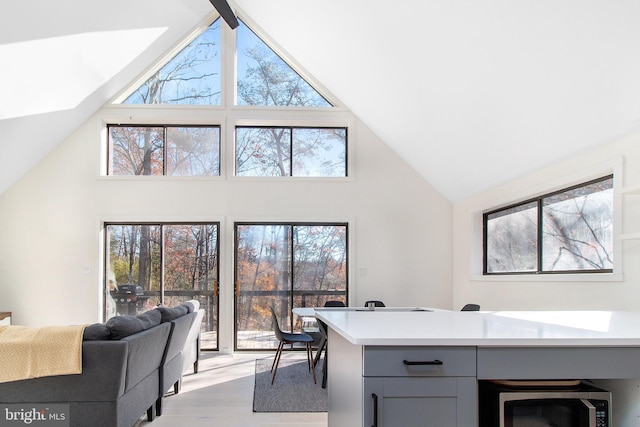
170 263
285 266
289 151
192 77
164 150
568 231
264 79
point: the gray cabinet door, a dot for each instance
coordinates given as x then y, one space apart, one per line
420 402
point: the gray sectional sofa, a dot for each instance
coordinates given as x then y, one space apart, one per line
171 369
127 365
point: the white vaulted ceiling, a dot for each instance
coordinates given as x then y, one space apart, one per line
470 93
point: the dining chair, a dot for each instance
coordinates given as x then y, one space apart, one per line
290 338
334 303
471 307
310 325
323 329
375 303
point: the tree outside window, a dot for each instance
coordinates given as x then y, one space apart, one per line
569 231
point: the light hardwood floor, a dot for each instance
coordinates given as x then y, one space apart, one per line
221 395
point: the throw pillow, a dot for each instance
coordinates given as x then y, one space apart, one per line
150 318
96 332
168 314
123 326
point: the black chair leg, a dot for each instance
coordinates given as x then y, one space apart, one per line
276 360
276 356
308 347
312 366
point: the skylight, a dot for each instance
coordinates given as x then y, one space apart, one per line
79 64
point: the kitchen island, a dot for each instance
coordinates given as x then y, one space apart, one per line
419 366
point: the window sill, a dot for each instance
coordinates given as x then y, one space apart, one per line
277 179
158 178
587 277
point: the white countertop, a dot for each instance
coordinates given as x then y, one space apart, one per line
395 326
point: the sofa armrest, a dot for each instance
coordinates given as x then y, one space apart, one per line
191 351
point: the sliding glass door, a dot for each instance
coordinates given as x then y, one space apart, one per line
163 263
285 266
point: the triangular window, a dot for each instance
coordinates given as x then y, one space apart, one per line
191 77
265 79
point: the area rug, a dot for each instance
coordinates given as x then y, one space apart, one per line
292 391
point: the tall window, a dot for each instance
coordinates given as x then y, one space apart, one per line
291 151
151 264
285 266
569 231
164 150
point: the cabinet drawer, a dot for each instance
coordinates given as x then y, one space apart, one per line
419 361
558 363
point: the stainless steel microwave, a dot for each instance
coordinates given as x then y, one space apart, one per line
581 405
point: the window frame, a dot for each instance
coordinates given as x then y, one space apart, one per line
165 127
291 298
539 200
291 127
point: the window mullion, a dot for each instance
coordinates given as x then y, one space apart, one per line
291 152
540 237
162 257
291 272
164 150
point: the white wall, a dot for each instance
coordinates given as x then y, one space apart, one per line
50 248
621 292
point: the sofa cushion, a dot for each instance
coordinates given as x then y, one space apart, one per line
123 326
96 332
169 314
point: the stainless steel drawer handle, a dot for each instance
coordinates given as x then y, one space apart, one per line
422 362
